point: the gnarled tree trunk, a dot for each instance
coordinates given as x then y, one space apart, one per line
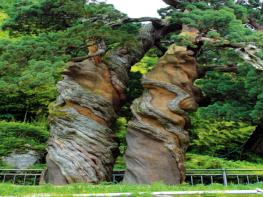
157 137
82 147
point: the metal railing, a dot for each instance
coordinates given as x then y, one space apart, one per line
21 176
224 176
193 176
211 176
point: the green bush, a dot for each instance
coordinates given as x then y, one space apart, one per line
121 125
219 137
21 137
145 65
197 161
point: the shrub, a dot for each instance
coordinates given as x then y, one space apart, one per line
220 137
197 161
21 137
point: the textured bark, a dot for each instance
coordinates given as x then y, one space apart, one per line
157 138
82 147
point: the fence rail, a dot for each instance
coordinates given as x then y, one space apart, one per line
21 176
193 176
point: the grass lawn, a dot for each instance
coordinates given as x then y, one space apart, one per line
8 189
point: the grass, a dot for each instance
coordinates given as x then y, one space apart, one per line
8 189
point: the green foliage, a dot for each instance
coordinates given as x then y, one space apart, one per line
221 138
29 69
234 96
228 110
3 17
222 88
11 6
255 92
215 56
30 66
198 161
234 99
121 125
226 18
21 137
135 89
33 17
145 65
120 163
204 161
104 12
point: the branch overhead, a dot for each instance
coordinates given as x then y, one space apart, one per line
155 21
171 2
176 3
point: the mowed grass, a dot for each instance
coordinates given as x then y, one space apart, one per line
8 189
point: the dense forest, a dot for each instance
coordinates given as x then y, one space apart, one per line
39 37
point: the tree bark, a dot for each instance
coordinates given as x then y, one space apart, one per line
157 138
255 142
82 147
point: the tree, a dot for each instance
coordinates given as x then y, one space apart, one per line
34 17
31 65
224 29
217 33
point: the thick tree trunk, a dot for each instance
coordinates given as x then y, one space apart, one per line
82 147
157 138
255 142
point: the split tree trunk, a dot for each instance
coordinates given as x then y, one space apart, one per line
82 147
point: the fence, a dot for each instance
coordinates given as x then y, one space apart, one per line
193 176
22 177
224 176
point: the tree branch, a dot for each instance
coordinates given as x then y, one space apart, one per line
79 59
155 21
255 25
173 3
177 3
247 51
227 68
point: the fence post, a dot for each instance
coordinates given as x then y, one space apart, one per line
224 176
